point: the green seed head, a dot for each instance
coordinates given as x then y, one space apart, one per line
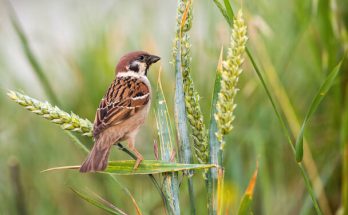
231 69
67 121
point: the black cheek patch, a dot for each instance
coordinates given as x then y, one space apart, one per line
134 67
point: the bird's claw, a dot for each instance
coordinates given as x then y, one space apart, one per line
137 162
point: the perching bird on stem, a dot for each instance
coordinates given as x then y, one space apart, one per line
122 110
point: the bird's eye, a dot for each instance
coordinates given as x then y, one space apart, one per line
141 58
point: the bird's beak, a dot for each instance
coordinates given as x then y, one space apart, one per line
152 59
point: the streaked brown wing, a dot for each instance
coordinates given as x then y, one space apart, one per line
125 97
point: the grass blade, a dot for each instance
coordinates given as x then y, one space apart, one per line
285 130
152 167
192 106
324 88
214 145
180 111
223 11
183 25
134 202
245 205
107 203
229 10
165 134
164 125
152 178
125 167
276 111
111 210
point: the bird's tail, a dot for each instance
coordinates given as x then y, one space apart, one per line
97 159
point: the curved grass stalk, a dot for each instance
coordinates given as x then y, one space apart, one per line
280 119
297 130
31 56
286 133
100 203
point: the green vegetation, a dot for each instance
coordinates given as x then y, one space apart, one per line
287 152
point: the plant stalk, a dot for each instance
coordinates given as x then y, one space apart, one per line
282 123
181 123
185 153
31 56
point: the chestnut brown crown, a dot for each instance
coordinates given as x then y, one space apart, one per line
137 61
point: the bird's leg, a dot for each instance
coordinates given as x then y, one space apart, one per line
137 154
122 148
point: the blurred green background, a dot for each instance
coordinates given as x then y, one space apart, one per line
78 43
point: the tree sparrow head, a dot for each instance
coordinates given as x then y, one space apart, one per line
138 62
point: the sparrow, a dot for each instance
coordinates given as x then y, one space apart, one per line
122 110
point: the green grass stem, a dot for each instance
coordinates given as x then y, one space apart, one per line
183 24
32 59
280 119
111 209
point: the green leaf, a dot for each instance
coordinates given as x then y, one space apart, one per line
244 208
125 167
324 88
245 205
214 144
164 124
229 10
180 110
223 12
111 210
166 140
